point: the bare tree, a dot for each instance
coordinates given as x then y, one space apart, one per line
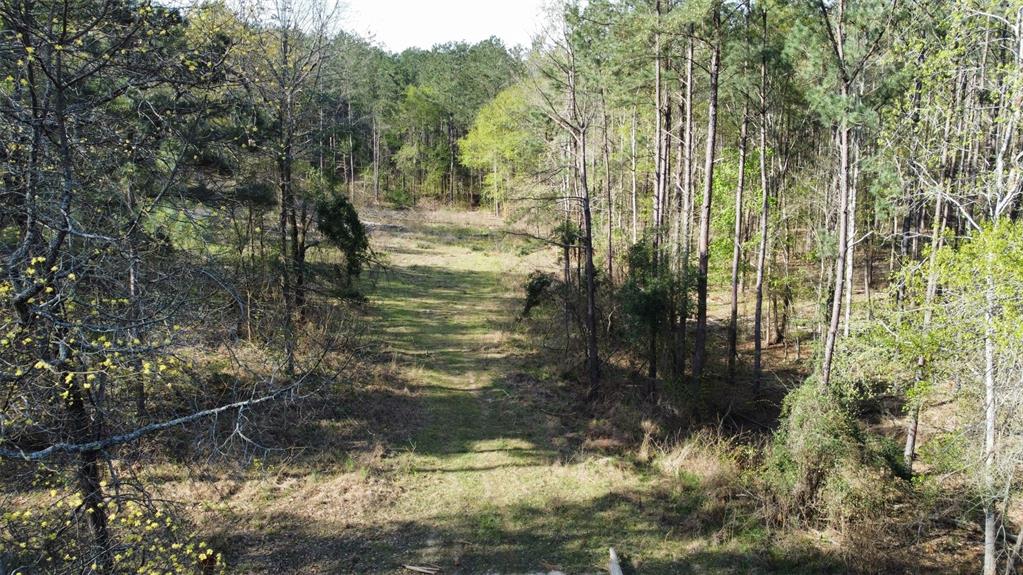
557 84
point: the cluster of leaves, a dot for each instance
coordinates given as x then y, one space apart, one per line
40 534
822 464
402 114
646 294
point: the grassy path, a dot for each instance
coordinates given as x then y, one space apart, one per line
488 482
456 447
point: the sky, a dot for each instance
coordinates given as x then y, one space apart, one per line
400 24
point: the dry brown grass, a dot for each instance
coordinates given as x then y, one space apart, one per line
707 455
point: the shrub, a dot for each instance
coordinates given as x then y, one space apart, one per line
399 198
823 465
337 219
537 288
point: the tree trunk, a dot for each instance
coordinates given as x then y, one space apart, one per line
990 519
609 208
850 252
843 239
687 209
758 309
733 318
351 154
566 255
700 341
297 251
909 451
592 359
88 477
843 208
578 130
133 290
82 424
660 178
287 293
376 160
635 206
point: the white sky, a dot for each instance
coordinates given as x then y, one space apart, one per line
400 24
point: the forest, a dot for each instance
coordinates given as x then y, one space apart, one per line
702 286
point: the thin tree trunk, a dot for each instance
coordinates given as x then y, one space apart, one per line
687 163
351 154
566 255
90 487
592 359
285 164
133 290
376 160
665 184
850 252
687 207
937 231
635 206
843 239
579 142
700 341
88 468
990 414
298 252
287 293
607 190
733 318
843 209
658 197
451 169
764 218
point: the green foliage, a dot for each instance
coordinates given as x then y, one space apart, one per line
945 453
438 95
256 194
992 259
152 540
399 197
646 294
567 233
537 288
822 463
503 141
979 312
338 221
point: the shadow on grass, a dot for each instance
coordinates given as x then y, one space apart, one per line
572 538
430 383
453 329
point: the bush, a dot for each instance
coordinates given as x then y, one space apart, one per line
822 465
337 219
399 198
537 288
648 297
